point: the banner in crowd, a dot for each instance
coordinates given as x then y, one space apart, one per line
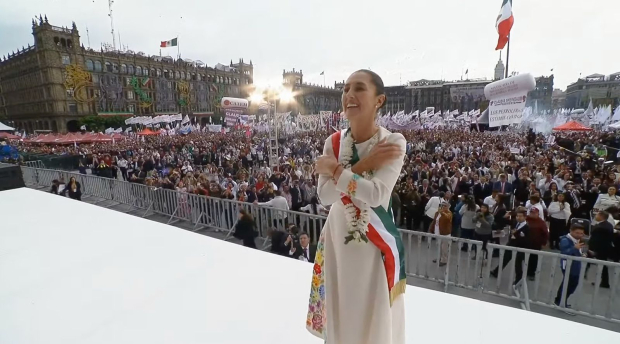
214 128
507 99
232 116
465 94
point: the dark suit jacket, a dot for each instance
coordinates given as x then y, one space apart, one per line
507 187
277 243
480 192
601 239
311 252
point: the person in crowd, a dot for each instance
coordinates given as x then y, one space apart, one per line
431 208
601 242
303 251
55 187
570 245
550 193
73 189
607 200
278 202
483 222
519 237
539 236
467 213
314 224
245 229
442 225
559 214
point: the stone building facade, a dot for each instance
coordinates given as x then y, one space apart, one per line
541 95
51 84
310 98
603 90
463 95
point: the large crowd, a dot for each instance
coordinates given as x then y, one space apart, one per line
479 181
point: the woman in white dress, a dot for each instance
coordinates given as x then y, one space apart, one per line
359 275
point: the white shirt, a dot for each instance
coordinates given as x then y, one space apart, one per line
490 201
278 202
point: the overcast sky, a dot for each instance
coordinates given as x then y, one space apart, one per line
401 40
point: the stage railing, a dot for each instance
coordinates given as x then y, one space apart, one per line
463 269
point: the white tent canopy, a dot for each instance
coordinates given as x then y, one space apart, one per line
4 127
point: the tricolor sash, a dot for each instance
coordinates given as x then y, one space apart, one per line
382 231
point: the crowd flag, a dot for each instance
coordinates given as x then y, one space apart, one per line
504 23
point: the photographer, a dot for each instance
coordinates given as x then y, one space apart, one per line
483 222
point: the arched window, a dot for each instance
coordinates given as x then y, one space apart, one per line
97 66
158 72
123 68
130 70
177 75
153 73
69 43
89 65
166 74
182 75
145 71
108 66
56 40
63 42
115 68
138 70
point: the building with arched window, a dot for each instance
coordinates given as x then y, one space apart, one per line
56 81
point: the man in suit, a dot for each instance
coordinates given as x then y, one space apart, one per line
303 251
570 245
600 244
504 187
520 237
482 190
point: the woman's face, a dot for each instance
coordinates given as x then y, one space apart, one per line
359 98
611 190
561 198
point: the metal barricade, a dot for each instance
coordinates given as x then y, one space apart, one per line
547 285
465 265
35 164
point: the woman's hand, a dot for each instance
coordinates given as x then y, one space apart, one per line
381 154
326 165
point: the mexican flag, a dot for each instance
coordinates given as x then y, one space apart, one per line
171 43
504 23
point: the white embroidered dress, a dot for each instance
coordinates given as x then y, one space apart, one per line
350 300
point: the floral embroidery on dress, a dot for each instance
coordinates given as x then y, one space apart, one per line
316 308
352 187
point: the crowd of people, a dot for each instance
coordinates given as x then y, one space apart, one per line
461 183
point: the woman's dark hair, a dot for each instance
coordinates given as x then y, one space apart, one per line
245 215
313 202
484 205
377 82
471 205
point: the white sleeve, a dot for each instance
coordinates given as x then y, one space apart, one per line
326 189
378 190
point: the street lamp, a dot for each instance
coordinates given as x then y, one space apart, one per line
284 96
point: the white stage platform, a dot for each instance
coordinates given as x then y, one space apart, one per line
71 272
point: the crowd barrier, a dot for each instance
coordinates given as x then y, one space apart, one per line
462 269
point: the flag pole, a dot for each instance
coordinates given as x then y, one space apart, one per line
507 56
324 79
178 48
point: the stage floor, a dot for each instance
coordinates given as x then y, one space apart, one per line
71 272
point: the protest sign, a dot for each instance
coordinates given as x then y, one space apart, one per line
507 99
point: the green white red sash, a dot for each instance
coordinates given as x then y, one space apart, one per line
382 232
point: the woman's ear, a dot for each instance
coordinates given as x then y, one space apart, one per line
381 101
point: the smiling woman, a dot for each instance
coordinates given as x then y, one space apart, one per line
359 274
